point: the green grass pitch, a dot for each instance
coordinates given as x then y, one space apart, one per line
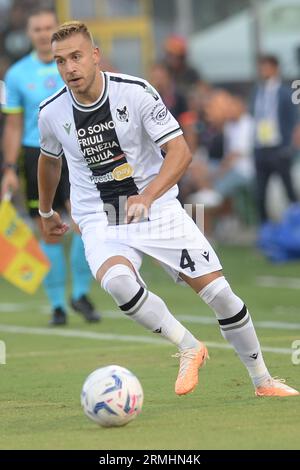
41 382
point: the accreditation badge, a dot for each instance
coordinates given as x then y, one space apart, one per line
266 132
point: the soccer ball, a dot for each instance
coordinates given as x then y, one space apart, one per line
112 396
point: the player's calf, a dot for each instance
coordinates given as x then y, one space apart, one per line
142 305
150 311
237 328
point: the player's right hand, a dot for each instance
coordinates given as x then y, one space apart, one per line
54 226
9 183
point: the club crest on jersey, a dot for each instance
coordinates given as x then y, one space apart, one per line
160 114
122 172
122 114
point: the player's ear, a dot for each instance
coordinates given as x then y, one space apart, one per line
97 55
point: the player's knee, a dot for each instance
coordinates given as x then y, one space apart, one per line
220 297
121 283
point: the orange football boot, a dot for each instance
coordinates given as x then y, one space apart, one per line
275 387
190 362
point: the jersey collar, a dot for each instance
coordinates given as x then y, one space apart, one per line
97 104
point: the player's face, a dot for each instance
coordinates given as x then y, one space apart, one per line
40 29
77 61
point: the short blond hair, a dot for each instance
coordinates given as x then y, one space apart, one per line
70 28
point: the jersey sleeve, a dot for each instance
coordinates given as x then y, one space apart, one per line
13 95
158 122
49 144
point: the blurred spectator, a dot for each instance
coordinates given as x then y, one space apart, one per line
204 138
161 79
196 132
236 167
275 121
14 42
4 64
14 39
175 58
223 177
5 6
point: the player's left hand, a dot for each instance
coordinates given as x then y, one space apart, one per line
137 208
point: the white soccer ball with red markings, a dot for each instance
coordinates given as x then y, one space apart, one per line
112 396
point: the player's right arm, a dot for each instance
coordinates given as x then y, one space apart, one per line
12 132
49 172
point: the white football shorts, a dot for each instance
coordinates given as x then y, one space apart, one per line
170 236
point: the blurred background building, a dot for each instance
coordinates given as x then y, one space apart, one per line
188 49
223 37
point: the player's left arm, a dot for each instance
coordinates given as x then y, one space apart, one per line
165 131
177 159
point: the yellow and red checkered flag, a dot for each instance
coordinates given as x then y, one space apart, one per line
22 262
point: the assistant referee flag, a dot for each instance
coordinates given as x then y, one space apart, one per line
21 260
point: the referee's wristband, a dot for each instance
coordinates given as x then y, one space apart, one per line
46 215
10 166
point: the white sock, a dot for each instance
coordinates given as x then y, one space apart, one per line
153 314
236 327
144 307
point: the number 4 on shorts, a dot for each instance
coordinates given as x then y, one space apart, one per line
186 261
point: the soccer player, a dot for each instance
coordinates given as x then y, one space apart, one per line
28 82
123 196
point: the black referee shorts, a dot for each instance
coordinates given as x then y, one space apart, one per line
31 156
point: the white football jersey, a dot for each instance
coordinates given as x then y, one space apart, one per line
112 146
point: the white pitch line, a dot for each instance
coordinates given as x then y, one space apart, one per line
274 282
277 325
11 307
47 353
258 324
202 320
115 337
78 334
112 314
285 310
